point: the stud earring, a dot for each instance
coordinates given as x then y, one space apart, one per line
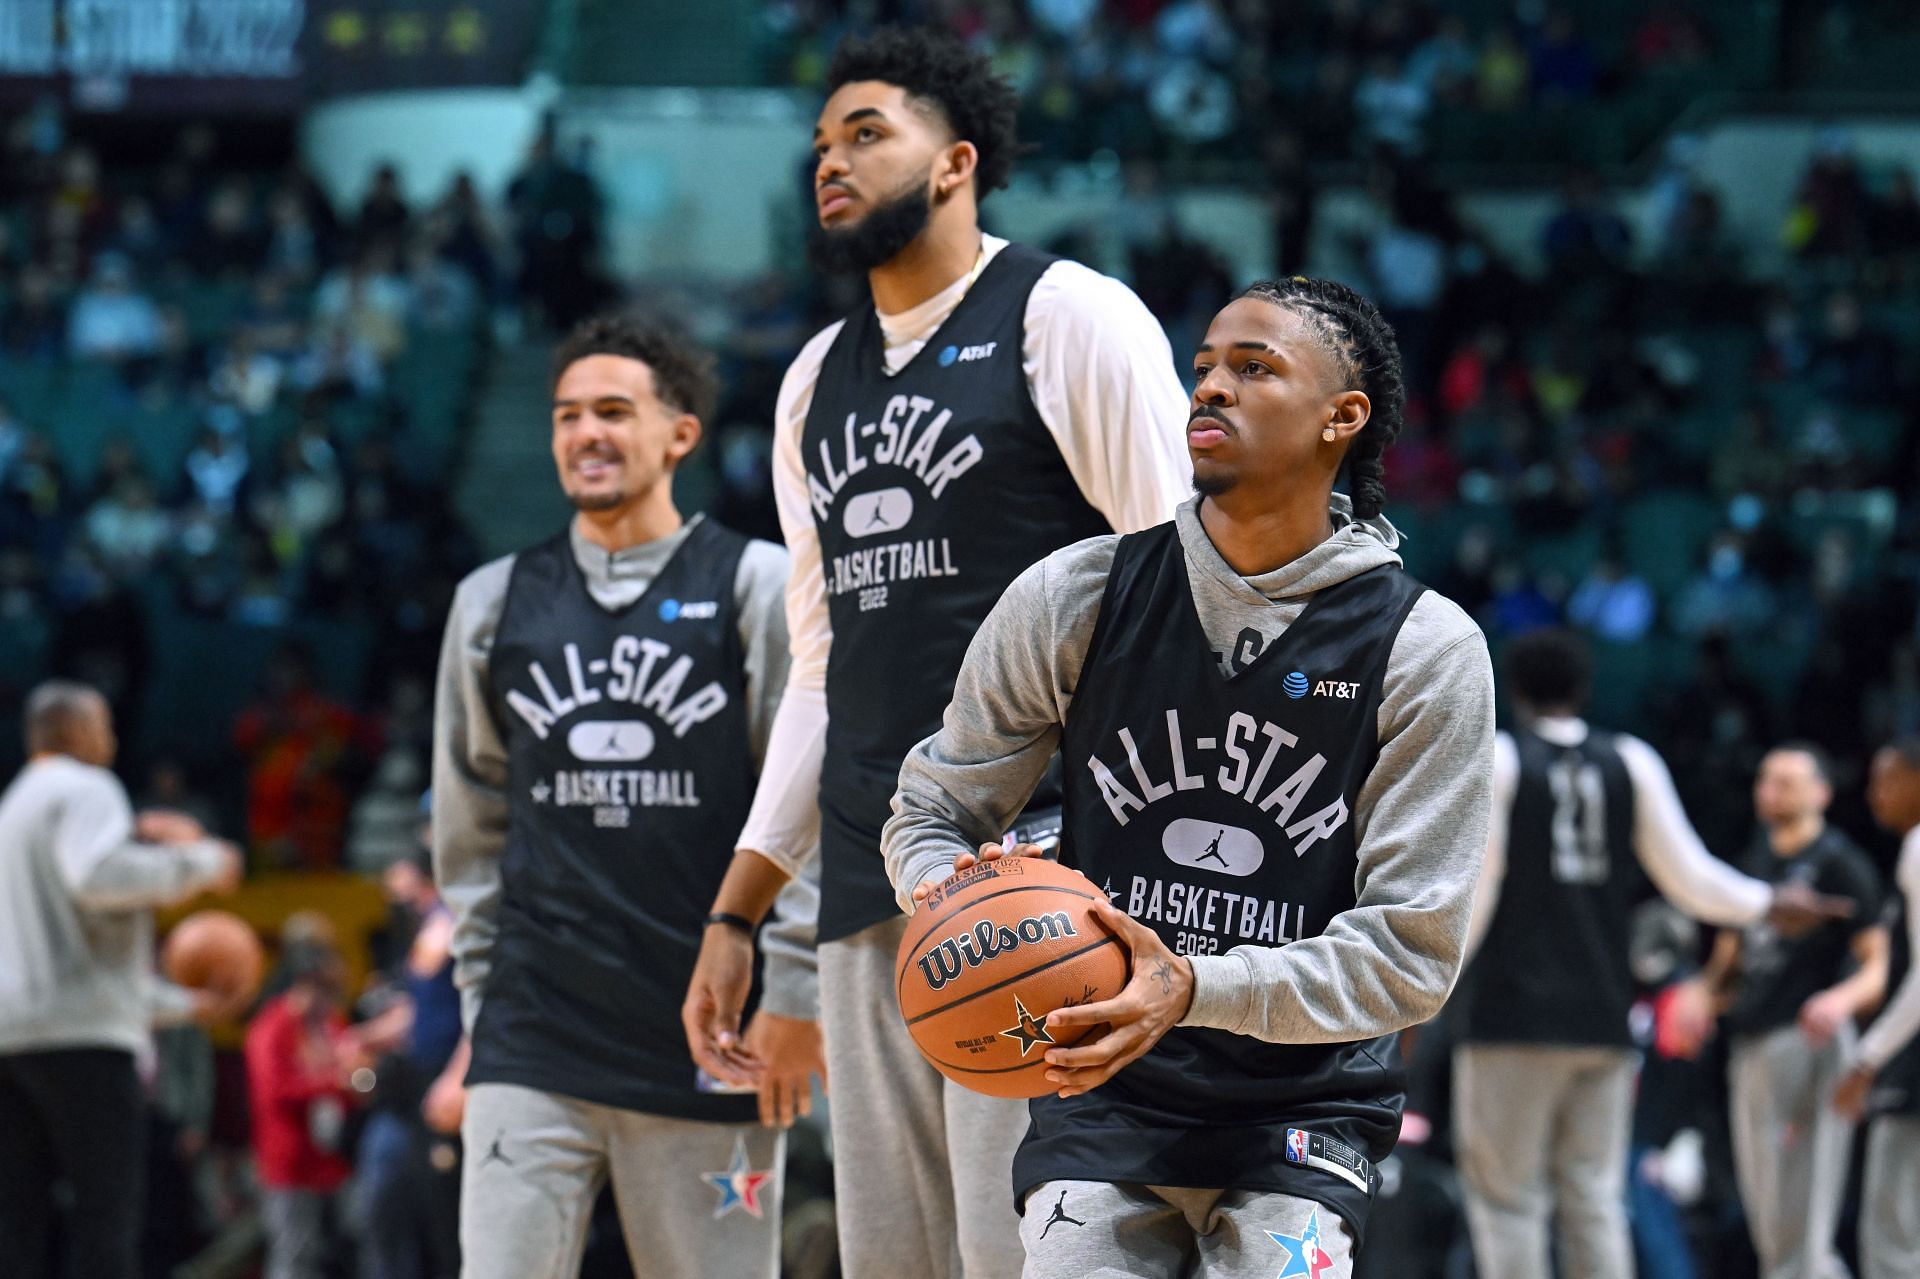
1329 435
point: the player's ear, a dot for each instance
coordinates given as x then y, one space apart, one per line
684 438
955 169
1350 411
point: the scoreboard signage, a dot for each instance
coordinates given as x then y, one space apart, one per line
272 56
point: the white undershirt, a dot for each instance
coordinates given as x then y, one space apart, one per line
1103 381
1899 1021
1694 880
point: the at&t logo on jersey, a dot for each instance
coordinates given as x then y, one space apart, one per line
966 354
1297 685
689 610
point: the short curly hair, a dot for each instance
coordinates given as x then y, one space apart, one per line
683 371
936 68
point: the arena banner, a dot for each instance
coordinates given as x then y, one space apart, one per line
252 56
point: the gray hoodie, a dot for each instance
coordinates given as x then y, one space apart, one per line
1421 818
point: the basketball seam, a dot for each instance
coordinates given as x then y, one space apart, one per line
1109 940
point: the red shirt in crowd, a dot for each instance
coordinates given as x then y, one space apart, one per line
293 1082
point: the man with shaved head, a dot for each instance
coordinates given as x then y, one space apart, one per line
79 880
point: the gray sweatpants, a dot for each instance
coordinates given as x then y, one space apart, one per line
295 1222
1790 1149
1116 1230
695 1199
923 1168
1890 1204
1542 1134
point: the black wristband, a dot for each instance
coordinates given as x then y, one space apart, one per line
731 920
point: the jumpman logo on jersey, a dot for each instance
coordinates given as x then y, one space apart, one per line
494 1152
1213 850
1060 1215
1305 1256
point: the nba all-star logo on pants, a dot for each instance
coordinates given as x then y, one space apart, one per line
1305 1256
739 1185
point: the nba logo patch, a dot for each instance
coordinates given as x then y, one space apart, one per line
1296 1146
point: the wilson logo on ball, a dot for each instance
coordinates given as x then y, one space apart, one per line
983 942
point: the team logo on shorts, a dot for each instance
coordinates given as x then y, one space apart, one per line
1305 1256
739 1185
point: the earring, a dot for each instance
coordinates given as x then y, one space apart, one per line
1329 435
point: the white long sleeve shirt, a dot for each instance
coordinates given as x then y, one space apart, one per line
1899 1021
1102 378
77 895
1698 884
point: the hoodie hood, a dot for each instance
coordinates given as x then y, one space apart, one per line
1355 547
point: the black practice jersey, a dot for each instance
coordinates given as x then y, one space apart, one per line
1779 974
629 767
1218 810
1553 967
931 490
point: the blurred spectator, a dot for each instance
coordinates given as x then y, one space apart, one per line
1502 76
1852 361
1672 35
112 320
297 1062
407 1179
556 212
246 377
215 471
1391 105
367 302
128 527
300 747
385 823
1613 603
383 213
1831 210
1725 597
1562 65
1585 236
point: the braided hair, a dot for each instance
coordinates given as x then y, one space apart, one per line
1363 343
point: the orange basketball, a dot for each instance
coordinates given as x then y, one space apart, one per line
995 949
215 951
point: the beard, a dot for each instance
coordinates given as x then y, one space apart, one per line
597 501
890 226
1211 485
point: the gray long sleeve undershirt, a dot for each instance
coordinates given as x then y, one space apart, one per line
470 756
1421 817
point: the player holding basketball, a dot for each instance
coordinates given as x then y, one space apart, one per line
80 877
1544 1073
1885 1076
604 700
1262 674
991 405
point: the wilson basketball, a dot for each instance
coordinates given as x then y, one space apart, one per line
994 950
215 951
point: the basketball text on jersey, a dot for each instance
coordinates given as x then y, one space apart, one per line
1251 748
637 670
906 438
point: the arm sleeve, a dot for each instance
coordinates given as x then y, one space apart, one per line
470 782
1687 875
964 785
790 967
105 869
1102 377
1493 870
1421 819
783 824
1899 1021
760 592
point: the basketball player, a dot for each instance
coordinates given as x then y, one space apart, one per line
79 879
604 701
1544 1073
1885 1076
1262 674
991 405
1789 1000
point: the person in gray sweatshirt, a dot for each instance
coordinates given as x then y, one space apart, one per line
1277 749
80 877
603 707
